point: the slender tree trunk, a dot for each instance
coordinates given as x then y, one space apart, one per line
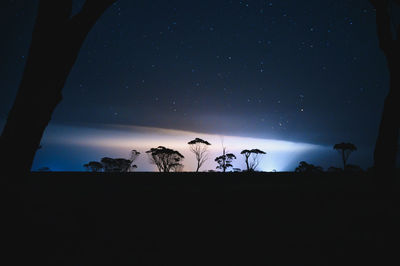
223 165
198 166
56 42
247 164
344 160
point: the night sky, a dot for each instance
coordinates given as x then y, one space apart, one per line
298 71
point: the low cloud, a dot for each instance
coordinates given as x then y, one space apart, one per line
67 148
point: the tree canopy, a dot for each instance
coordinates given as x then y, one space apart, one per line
94 166
166 159
115 165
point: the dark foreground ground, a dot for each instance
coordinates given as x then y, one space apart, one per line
199 219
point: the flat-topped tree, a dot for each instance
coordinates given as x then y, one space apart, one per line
200 149
345 149
386 146
252 158
56 41
166 160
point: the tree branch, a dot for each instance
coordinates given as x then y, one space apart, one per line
91 11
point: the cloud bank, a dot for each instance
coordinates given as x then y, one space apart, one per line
67 148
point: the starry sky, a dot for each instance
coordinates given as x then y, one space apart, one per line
297 71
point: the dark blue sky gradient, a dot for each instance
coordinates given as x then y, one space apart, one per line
303 71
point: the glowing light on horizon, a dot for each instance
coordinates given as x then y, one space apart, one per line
119 140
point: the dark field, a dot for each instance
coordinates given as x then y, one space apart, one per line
200 219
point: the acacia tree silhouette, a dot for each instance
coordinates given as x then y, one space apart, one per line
56 41
345 149
255 156
199 147
387 142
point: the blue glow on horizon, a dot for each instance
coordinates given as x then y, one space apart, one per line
67 148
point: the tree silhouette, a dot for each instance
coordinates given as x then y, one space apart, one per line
123 165
115 165
345 149
199 147
252 158
109 164
56 42
93 166
134 155
386 146
225 160
334 169
308 168
165 159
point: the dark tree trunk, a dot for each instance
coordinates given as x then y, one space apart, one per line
385 154
56 42
247 163
386 146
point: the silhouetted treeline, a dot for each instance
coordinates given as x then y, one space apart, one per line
344 149
169 160
113 165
